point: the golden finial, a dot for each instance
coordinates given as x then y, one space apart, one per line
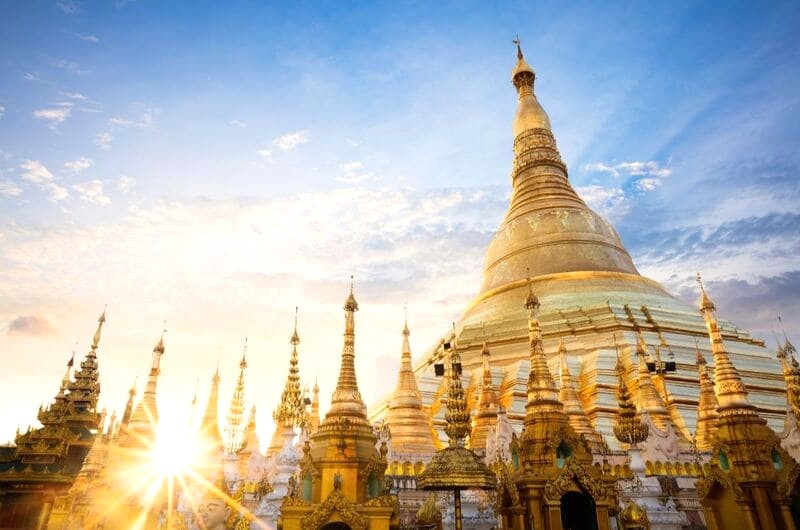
519 49
705 433
405 322
100 322
350 304
233 428
531 302
291 409
705 302
295 340
160 346
788 347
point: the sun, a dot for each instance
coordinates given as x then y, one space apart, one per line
173 453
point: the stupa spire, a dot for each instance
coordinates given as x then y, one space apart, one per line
544 208
233 427
409 425
146 412
542 393
488 406
96 338
573 406
728 386
346 400
649 399
289 412
209 425
126 414
706 431
313 417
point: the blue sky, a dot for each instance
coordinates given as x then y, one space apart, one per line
215 164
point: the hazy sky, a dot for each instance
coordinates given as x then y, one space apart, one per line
215 164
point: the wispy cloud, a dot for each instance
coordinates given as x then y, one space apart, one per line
36 173
354 173
265 152
237 123
70 66
2 111
104 140
608 201
55 116
31 325
145 120
126 183
76 166
88 38
31 76
645 176
92 191
287 142
9 189
69 7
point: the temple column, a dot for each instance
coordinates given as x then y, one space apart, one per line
763 509
786 517
749 518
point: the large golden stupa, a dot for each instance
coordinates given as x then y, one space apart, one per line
590 294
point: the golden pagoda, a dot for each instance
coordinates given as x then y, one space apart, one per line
341 476
751 480
558 485
39 469
290 412
410 426
234 430
590 292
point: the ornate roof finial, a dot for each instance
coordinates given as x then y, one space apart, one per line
350 304
705 302
457 416
519 49
573 406
488 406
788 347
295 340
209 425
649 398
541 385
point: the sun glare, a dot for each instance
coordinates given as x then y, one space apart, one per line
173 451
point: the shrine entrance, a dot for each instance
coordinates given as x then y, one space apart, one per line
578 511
335 526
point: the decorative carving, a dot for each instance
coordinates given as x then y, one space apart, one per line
335 503
574 471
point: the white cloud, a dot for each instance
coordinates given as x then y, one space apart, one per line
2 111
87 38
126 184
145 120
76 166
31 76
609 202
92 191
650 168
353 173
352 143
69 7
70 66
55 116
287 142
237 123
265 153
9 189
648 184
104 140
38 174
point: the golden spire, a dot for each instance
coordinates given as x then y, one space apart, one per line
233 427
706 431
628 426
209 426
728 385
65 379
145 415
542 393
457 415
313 418
488 405
649 399
573 406
289 413
126 415
530 114
100 322
409 425
346 400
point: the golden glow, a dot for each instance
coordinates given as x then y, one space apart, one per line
174 451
